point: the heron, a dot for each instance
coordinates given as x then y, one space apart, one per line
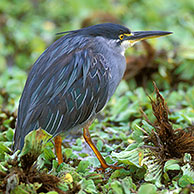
73 80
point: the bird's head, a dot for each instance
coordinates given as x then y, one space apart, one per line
117 34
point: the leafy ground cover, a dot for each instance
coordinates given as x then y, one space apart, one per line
157 153
151 137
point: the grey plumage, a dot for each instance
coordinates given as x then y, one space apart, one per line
72 81
56 86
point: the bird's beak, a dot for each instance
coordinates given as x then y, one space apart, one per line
142 35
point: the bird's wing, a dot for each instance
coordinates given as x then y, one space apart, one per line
64 95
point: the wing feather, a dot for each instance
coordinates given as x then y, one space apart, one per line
65 95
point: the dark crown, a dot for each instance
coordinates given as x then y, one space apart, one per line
108 30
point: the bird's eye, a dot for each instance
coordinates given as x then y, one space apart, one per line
121 37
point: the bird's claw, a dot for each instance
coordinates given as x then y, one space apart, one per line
114 167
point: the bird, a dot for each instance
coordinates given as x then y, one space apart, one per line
73 80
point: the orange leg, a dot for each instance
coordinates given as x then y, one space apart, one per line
102 161
58 142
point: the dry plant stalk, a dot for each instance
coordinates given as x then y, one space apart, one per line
168 142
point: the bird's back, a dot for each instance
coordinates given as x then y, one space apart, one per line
68 84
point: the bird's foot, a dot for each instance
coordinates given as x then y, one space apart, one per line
114 167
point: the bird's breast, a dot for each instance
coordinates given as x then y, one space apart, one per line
115 62
117 69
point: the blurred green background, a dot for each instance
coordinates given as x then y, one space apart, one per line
29 26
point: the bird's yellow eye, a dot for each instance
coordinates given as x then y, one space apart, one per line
121 37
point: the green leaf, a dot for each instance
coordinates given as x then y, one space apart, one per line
99 145
63 186
128 184
79 142
52 192
3 169
120 105
188 170
94 161
154 167
48 154
120 173
4 148
147 127
147 188
9 134
171 165
68 152
185 180
137 134
83 165
125 115
87 186
117 187
35 142
77 148
133 157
